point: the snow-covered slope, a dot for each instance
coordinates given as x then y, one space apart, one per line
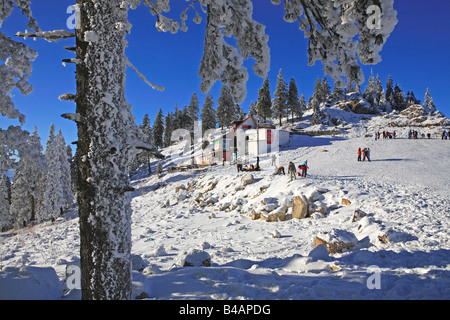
397 222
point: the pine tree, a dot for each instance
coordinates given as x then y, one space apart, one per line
226 108
168 129
194 111
176 123
6 221
302 102
428 101
252 108
317 115
337 94
279 102
379 89
158 130
27 191
65 170
293 102
53 203
145 156
208 115
185 119
264 103
399 98
318 91
389 93
370 93
325 89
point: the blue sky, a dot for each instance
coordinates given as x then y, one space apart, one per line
416 56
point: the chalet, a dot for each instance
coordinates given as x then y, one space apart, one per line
249 138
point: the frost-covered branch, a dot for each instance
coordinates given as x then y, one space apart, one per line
154 86
332 27
14 73
50 36
232 18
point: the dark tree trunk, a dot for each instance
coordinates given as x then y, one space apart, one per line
103 128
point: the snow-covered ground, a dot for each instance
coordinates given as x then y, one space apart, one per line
401 240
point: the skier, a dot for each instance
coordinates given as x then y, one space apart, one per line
292 171
359 154
364 154
368 154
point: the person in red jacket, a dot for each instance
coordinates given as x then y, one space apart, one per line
359 154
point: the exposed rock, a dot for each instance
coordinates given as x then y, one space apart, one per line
300 207
247 179
357 215
336 240
346 202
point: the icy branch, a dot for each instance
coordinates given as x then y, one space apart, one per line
50 36
154 86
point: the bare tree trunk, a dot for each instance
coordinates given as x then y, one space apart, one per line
104 120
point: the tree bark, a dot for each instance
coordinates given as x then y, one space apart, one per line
105 120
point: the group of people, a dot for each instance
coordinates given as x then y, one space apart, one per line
364 154
292 171
386 135
251 167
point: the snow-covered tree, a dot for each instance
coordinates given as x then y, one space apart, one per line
158 130
337 94
428 101
317 114
293 102
226 108
318 91
53 199
389 93
279 103
325 89
252 108
302 102
379 89
264 103
370 92
64 161
28 189
208 115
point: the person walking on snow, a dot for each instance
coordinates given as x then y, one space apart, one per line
304 168
359 154
368 154
292 172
